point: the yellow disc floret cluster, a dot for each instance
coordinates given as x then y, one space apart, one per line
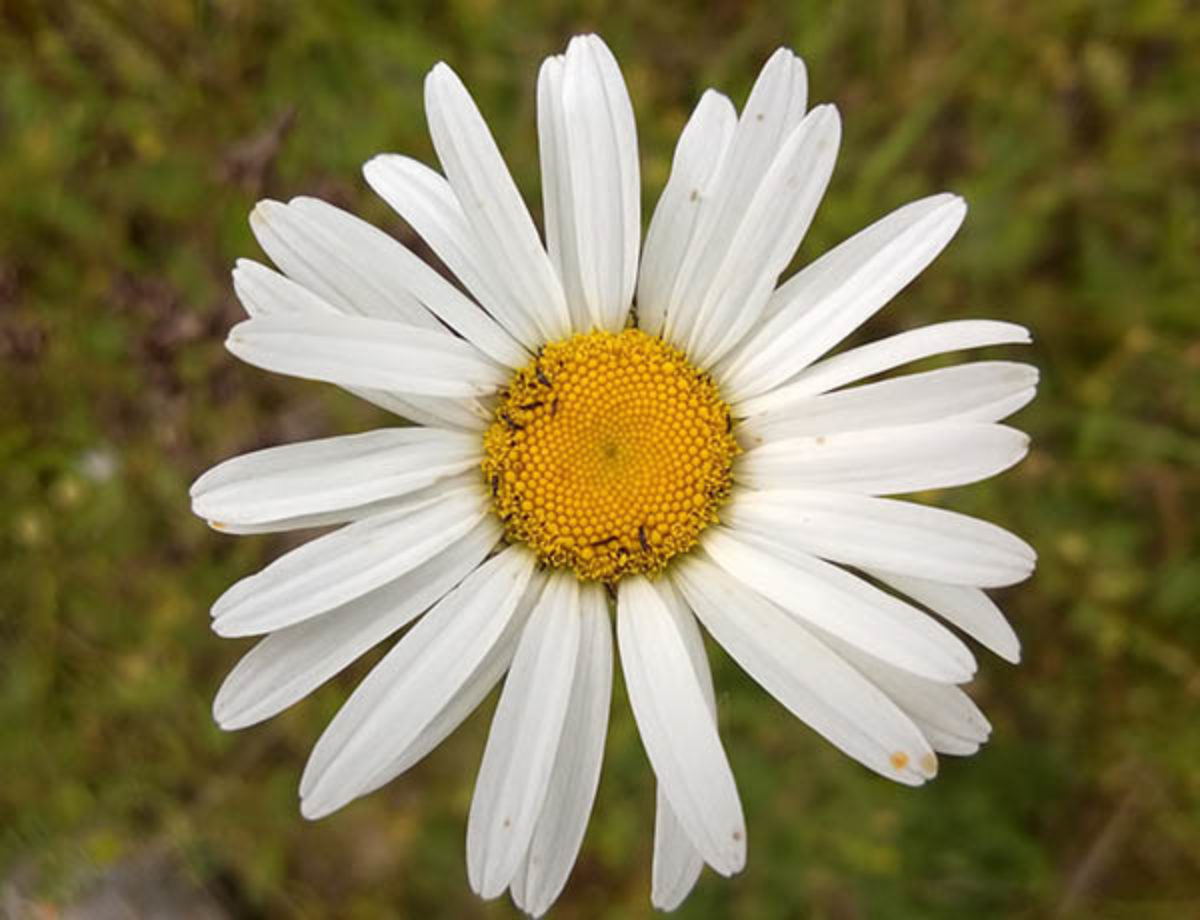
609 454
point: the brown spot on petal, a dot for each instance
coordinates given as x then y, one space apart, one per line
899 760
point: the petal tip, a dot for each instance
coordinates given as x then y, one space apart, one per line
310 811
226 714
263 210
221 626
928 765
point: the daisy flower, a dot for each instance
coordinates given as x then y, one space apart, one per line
604 427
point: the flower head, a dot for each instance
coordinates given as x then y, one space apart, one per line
599 419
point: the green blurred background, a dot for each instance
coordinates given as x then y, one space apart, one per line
135 137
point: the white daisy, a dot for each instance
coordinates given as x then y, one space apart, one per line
601 419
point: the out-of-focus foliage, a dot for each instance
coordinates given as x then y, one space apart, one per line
134 138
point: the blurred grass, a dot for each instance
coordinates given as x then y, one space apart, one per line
134 138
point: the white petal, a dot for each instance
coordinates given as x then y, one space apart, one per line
842 604
982 391
561 825
677 864
425 200
413 501
264 292
468 696
310 521
885 461
814 682
422 498
429 411
557 190
893 351
676 725
774 108
597 151
413 683
336 255
391 267
897 536
833 296
291 662
501 223
524 739
743 263
771 114
355 351
945 743
944 708
702 144
970 609
345 564
312 477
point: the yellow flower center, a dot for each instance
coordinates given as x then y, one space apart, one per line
609 454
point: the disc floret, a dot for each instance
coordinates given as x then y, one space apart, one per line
609 454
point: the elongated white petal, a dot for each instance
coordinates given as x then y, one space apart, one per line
624 137
677 863
897 536
945 743
970 609
944 708
562 243
983 391
524 739
309 521
698 154
264 292
771 114
469 694
413 683
596 141
588 149
355 351
312 477
891 352
744 266
576 774
840 291
775 106
814 682
468 482
885 461
676 725
391 267
508 240
336 255
842 604
338 567
413 501
291 662
429 411
461 484
425 199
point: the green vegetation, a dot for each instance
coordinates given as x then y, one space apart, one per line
135 137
